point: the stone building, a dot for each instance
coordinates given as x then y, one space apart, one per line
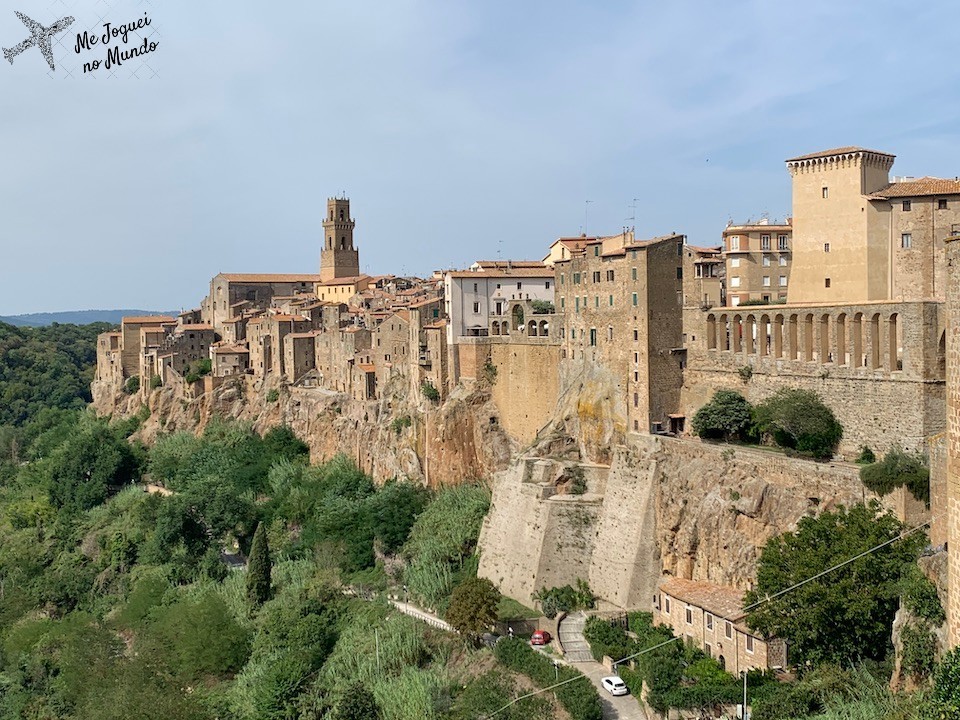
254 290
620 302
704 274
757 261
858 237
952 263
230 360
338 258
138 334
711 618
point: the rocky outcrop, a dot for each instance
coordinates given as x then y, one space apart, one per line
395 436
663 506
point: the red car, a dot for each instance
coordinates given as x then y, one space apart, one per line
540 637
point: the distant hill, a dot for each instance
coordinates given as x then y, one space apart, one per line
79 317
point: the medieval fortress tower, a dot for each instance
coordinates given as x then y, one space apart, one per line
856 297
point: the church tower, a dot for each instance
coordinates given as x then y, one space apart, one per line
338 258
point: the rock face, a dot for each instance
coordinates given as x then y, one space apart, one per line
395 436
677 507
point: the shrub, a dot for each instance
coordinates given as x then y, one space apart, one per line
578 482
489 372
473 607
155 382
565 599
919 649
132 385
429 391
607 639
898 469
399 424
944 700
920 595
543 307
579 697
745 373
273 396
866 456
798 420
726 415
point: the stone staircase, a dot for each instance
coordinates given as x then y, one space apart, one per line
575 647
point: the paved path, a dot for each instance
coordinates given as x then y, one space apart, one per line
422 615
624 707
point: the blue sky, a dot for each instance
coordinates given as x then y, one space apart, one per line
458 130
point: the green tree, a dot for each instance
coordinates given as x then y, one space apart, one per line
846 615
357 703
473 607
258 569
944 700
799 420
89 466
898 469
727 415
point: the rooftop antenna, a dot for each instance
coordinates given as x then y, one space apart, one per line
586 207
633 210
499 249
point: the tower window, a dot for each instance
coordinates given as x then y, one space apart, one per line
826 282
942 204
825 192
906 241
907 205
546 285
519 286
826 247
341 213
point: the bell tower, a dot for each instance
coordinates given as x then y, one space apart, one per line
338 258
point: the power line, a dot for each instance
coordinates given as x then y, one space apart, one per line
755 605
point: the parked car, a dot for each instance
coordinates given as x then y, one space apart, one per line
614 685
540 637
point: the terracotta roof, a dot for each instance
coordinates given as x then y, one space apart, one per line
439 325
755 226
288 318
540 272
351 280
367 368
196 326
709 250
722 601
503 264
428 301
919 188
311 334
837 151
147 320
235 318
231 350
269 277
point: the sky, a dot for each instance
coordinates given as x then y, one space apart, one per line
459 130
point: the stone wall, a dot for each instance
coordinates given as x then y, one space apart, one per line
684 508
526 387
953 442
879 366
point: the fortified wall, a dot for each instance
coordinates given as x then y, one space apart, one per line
678 507
953 442
880 366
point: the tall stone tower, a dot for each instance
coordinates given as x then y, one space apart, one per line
953 441
338 258
841 241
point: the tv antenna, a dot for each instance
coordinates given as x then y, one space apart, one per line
586 208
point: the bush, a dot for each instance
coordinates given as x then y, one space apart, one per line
607 639
399 424
898 469
473 607
155 382
579 697
866 456
273 396
132 385
543 307
578 482
919 649
920 595
798 420
489 372
727 415
944 700
565 599
429 391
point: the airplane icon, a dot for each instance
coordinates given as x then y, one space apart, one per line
40 36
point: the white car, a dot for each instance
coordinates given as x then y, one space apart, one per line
614 685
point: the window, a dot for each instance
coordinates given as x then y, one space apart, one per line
735 281
596 276
906 241
941 204
782 242
826 282
689 616
474 287
636 403
766 261
546 285
610 334
679 249
498 286
766 281
609 275
596 250
783 261
562 281
734 242
562 304
576 278
666 604
825 192
476 308
749 643
783 281
907 205
593 337
728 630
635 299
636 357
519 286
596 301
636 335
679 273
578 304
633 273
611 301
709 621
636 376
826 247
735 262
764 242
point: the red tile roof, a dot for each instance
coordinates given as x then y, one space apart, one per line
269 277
147 320
351 280
837 151
540 272
919 188
722 601
196 326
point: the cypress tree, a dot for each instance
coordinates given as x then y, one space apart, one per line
258 569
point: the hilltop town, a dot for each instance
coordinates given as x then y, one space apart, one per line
597 357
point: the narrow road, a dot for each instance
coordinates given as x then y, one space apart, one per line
625 707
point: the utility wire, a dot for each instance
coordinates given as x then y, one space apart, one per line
755 605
